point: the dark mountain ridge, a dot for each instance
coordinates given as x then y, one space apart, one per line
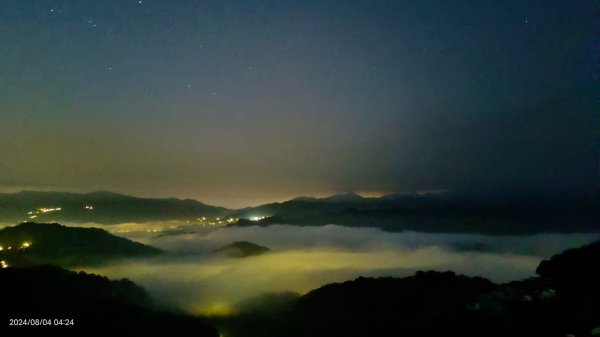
432 213
99 207
40 243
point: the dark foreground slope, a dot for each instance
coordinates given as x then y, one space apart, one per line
38 243
85 304
575 271
563 300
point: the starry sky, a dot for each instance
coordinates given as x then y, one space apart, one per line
239 102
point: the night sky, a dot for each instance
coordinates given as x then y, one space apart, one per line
241 102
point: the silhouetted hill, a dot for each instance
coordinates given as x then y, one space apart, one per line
99 207
39 243
94 304
344 197
575 271
431 213
427 304
242 249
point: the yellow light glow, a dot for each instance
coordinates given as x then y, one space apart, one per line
46 210
3 264
25 244
219 308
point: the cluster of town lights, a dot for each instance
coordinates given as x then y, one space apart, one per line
24 245
34 214
42 210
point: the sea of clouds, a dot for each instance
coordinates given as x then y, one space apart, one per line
194 278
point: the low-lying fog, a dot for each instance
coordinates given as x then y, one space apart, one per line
304 258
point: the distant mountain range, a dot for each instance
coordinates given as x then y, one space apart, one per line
99 207
430 213
436 212
34 244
